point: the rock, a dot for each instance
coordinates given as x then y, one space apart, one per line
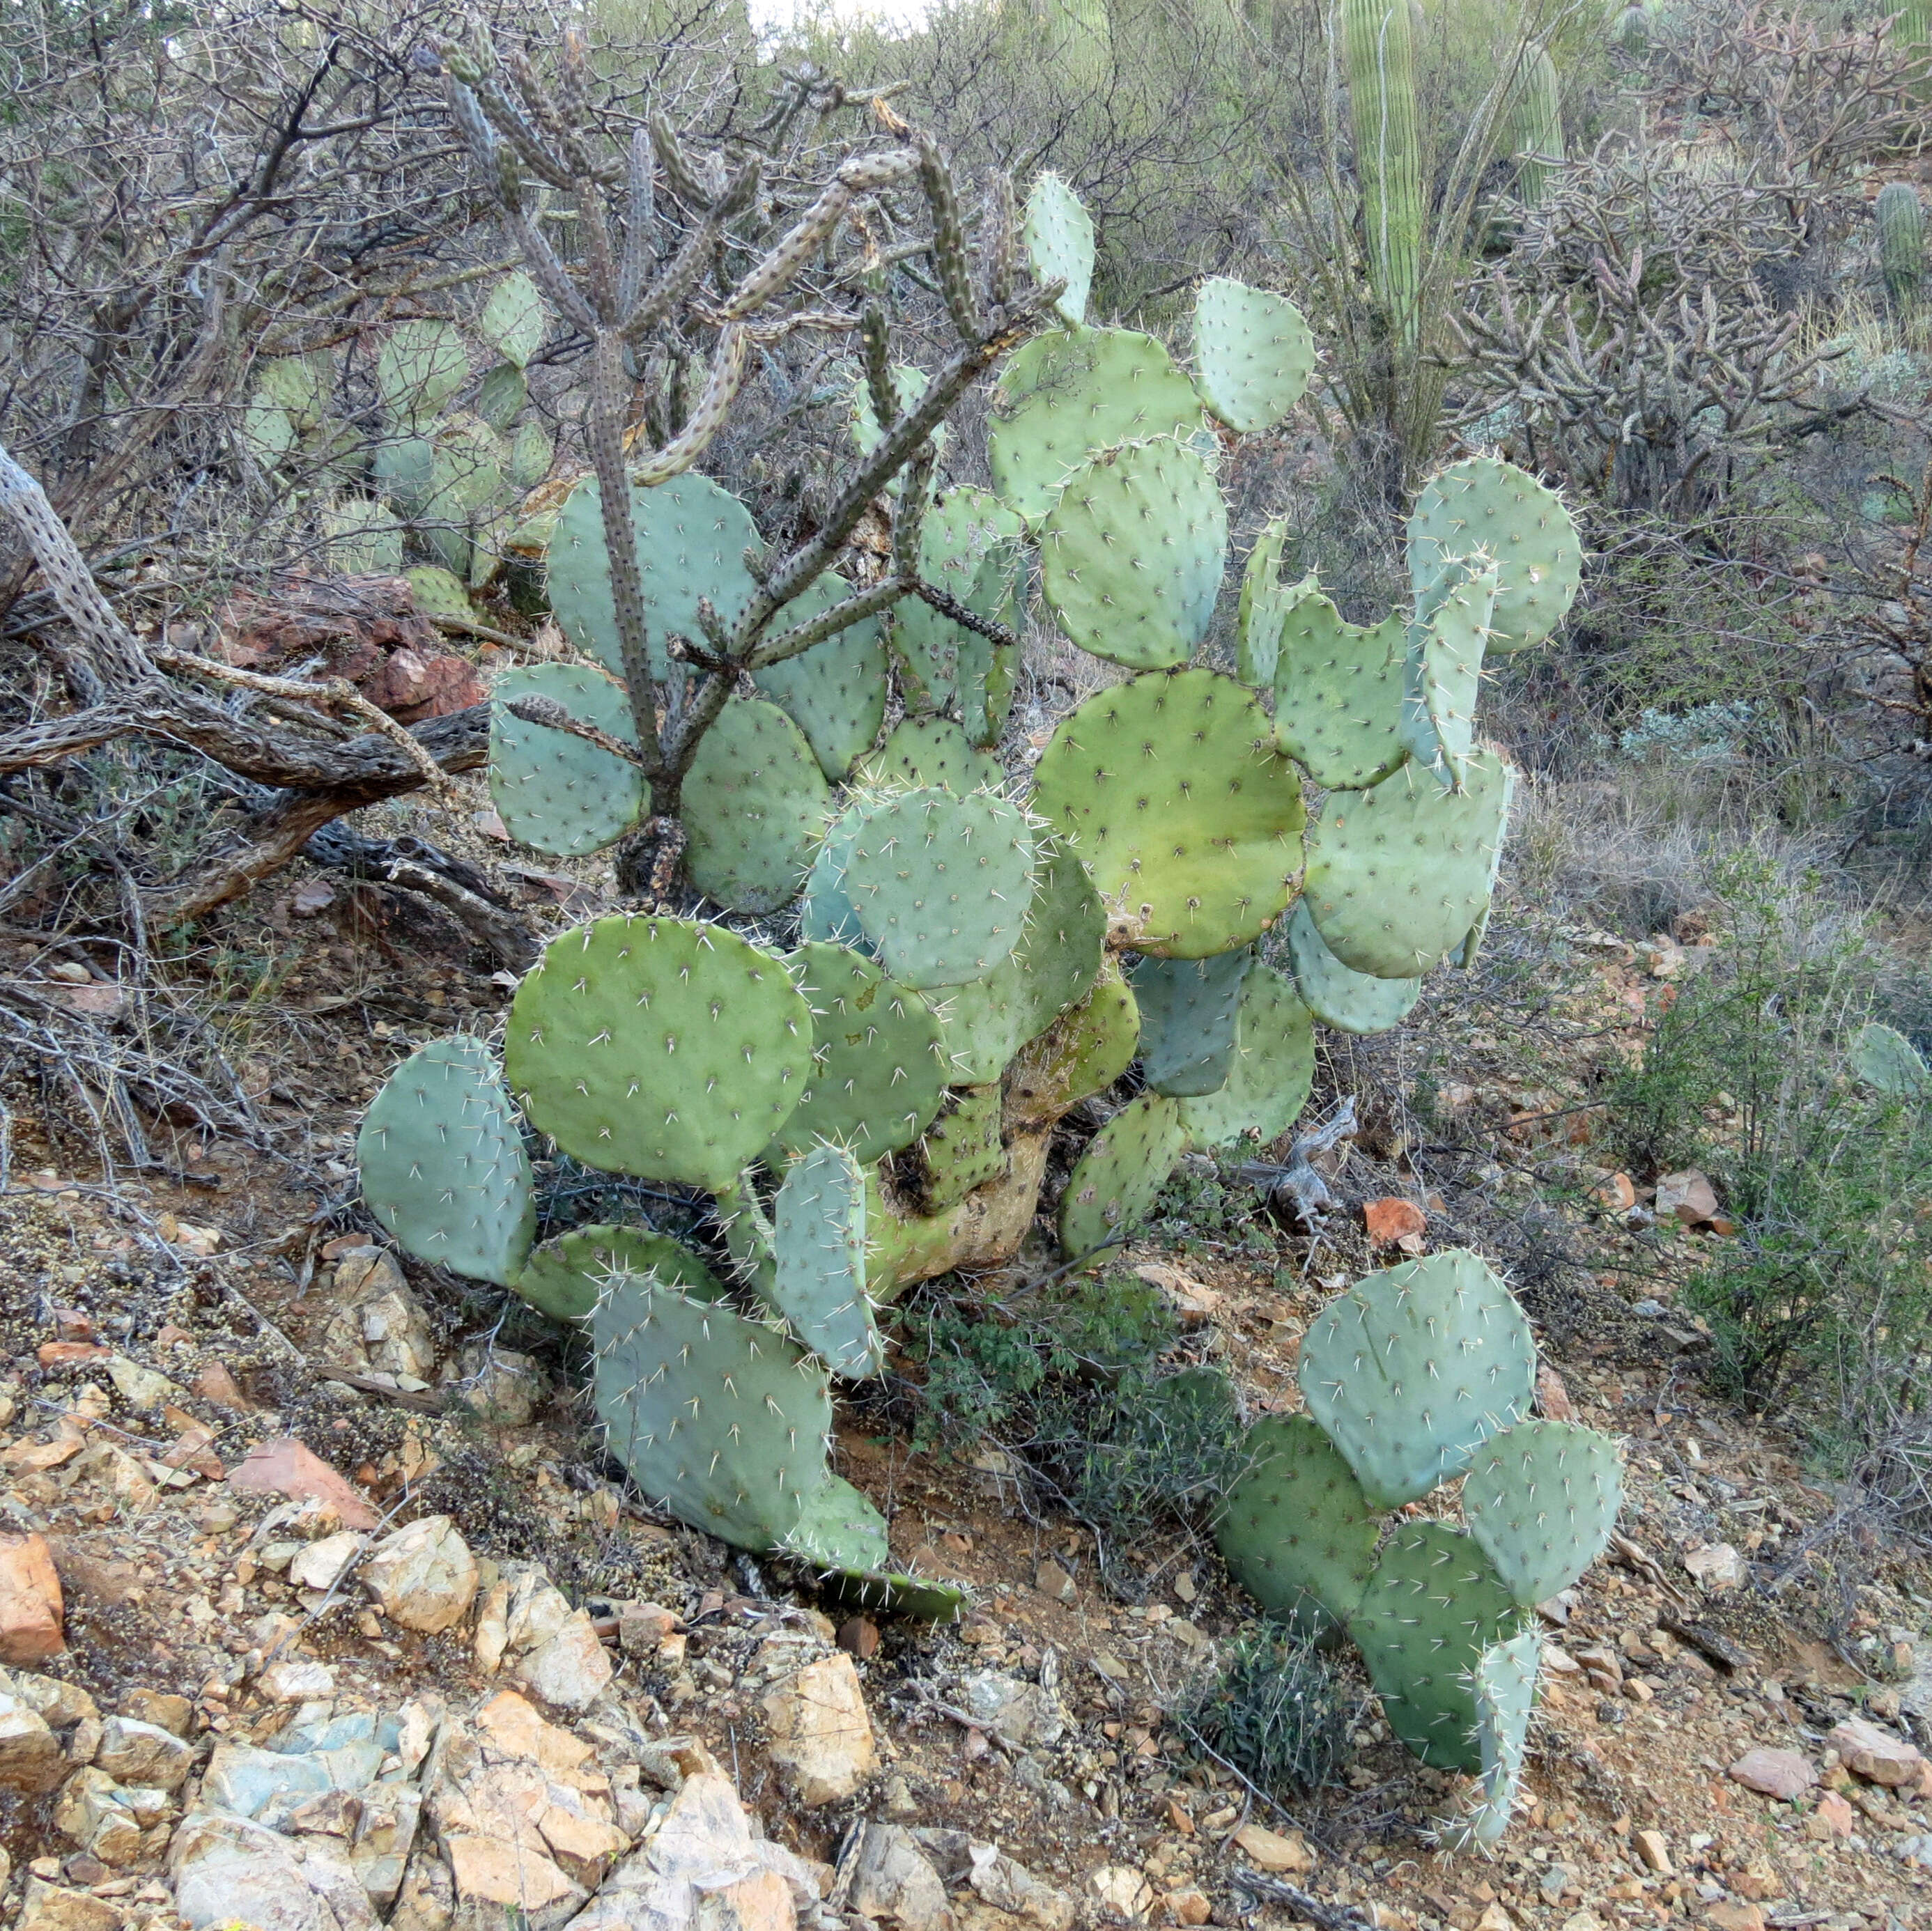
59 1705
821 1735
413 686
379 1327
132 1752
215 1384
1495 1918
377 1825
1273 1850
1121 1891
1781 1773
1836 1815
227 1868
267 1786
1878 1755
1387 1221
570 1669
1553 1398
1188 1906
1618 1194
284 1467
320 1565
95 1812
1717 1565
297 1681
1053 1582
997 1880
498 1383
1653 1848
31 1611
859 1637
423 1577
174 1714
52 1907
893 1881
141 1388
642 1628
1731 1915
1021 1714
31 1758
1688 1195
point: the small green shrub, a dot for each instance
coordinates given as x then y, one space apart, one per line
1277 1709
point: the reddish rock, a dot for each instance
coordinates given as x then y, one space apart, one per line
412 685
285 1468
215 1384
1879 1756
350 623
1688 1195
1388 1220
1732 1915
1553 1398
67 1353
1617 1193
31 1610
859 1636
1781 1774
1835 1814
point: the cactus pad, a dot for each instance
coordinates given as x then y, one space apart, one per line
1413 1370
1131 554
1884 1059
1116 1181
1253 353
1082 1053
1351 1001
1445 668
1491 505
968 547
1264 602
443 1164
839 1529
835 692
1503 1685
753 801
818 1284
962 1149
658 1046
1296 1530
1172 792
1338 692
722 1420
941 884
1270 1074
564 1277
925 1599
1064 396
927 752
1058 233
419 369
1542 1500
1398 874
878 1071
1188 1011
825 913
1432 1607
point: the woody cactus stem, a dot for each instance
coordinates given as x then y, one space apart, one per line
1379 46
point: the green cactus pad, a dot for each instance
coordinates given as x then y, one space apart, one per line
1432 1607
551 789
443 1164
403 468
1338 692
921 752
1082 1053
501 395
1253 353
1188 1009
1064 396
1542 1500
835 692
746 1231
1131 554
925 1598
969 546
1116 1181
1503 1687
564 1277
962 1149
1491 505
1413 1370
878 1068
982 1024
512 321
1296 1531
1264 602
1444 671
435 591
1351 1001
691 537
1884 1058
837 1530
753 802
818 1284
418 370
1270 1075
825 913
1058 233
941 884
722 1420
658 1046
1172 792
1398 874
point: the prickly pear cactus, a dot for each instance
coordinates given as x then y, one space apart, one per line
899 965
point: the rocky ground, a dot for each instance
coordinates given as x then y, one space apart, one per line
321 1610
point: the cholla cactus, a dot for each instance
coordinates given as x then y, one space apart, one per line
904 969
1414 1377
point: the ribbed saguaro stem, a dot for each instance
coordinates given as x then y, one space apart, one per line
1901 241
1379 50
1536 127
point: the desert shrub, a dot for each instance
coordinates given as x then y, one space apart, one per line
1277 1708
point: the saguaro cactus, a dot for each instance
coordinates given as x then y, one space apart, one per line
1378 44
1900 216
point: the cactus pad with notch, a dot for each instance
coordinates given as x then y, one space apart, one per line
564 1276
1058 234
1189 1008
1338 691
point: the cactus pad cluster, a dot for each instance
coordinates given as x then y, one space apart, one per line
901 964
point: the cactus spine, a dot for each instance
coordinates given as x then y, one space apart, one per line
1379 46
1900 216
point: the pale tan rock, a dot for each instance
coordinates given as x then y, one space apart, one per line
31 1758
1120 1892
94 1812
1731 1915
299 1680
1653 1849
60 1705
423 1577
571 1669
379 1327
1188 1906
493 1628
1274 1850
52 1907
31 1610
132 1752
821 1734
1878 1755
1495 1918
1553 1398
1780 1773
142 1388
893 1882
1688 1196
1717 1565
320 1565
